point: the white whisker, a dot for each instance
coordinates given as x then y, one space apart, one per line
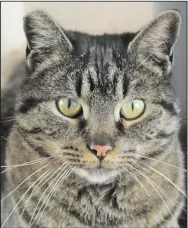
144 61
5 121
157 190
134 176
21 199
23 182
4 138
158 161
29 163
31 222
59 181
8 117
32 193
167 180
32 162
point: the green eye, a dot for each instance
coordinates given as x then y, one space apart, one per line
69 107
132 109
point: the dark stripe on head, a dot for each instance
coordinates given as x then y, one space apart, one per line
85 57
168 106
162 134
125 85
79 85
91 82
27 105
117 58
97 71
115 81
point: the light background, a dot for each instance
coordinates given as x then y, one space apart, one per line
93 18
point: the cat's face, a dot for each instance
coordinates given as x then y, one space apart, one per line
103 92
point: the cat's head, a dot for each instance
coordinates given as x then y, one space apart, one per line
99 103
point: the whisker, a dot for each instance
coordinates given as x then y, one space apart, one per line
163 192
157 190
4 138
5 121
158 161
59 181
30 162
167 180
33 192
134 176
144 61
8 117
31 222
21 199
23 182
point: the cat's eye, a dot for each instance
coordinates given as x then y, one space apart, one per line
69 107
132 109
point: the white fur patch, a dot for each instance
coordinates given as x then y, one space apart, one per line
97 177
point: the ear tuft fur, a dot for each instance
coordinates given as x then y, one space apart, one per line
158 37
44 36
42 31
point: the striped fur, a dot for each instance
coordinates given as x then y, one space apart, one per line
101 72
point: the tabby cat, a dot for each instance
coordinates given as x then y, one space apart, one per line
95 137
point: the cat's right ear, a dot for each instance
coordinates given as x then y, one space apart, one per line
44 37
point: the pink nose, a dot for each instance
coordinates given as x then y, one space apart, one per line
101 150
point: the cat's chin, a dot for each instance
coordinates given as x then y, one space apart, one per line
97 176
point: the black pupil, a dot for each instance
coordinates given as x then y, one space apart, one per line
69 103
132 106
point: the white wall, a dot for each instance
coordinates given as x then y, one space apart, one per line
97 17
11 26
12 37
90 17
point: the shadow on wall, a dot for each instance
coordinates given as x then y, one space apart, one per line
179 79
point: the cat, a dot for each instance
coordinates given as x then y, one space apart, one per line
95 134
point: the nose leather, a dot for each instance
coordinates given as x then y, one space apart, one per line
101 150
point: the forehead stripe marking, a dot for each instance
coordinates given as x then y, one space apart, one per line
79 86
168 106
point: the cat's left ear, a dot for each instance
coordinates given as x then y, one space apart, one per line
44 37
155 41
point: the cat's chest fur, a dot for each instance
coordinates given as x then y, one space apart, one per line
92 205
96 206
